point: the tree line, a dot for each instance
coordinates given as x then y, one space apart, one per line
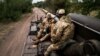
11 10
72 6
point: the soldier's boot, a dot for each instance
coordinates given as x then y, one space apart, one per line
51 48
48 51
34 45
34 39
36 42
46 54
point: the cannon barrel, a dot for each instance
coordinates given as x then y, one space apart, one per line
85 26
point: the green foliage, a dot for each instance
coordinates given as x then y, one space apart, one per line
87 6
40 4
11 10
71 6
56 4
74 6
98 16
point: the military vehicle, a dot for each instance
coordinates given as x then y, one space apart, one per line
86 41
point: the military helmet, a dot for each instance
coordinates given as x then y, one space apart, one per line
48 15
57 11
61 11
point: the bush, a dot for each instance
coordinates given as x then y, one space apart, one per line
11 10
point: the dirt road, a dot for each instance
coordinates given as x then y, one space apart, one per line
14 43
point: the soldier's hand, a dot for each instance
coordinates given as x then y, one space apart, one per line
41 40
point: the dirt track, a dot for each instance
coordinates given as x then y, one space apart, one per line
14 43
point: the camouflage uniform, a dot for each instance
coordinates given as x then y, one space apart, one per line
62 32
45 24
40 31
48 35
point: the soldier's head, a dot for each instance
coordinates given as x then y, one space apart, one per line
48 16
60 12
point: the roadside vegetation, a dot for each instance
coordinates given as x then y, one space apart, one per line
11 10
85 7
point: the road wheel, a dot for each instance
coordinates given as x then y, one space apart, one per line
92 47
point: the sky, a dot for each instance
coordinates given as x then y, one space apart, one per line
80 0
35 1
1 0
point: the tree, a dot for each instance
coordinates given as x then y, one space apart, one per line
11 10
87 6
55 4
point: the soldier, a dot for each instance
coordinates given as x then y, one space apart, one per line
62 32
51 25
45 30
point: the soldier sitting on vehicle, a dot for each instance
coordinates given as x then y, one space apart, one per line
45 30
62 32
51 23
